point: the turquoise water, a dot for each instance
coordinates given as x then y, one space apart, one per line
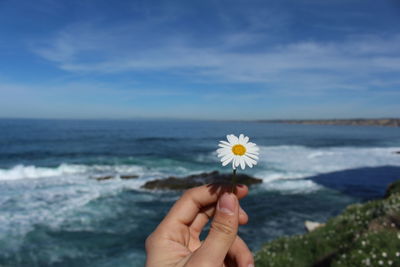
52 213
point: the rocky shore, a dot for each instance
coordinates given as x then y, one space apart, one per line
121 176
182 183
391 122
176 183
365 234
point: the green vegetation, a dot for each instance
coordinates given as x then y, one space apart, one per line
363 235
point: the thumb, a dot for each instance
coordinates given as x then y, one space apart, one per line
222 234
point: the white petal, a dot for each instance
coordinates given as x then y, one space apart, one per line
224 150
245 140
252 156
252 149
250 161
242 163
232 139
252 153
237 161
225 146
241 137
226 162
250 144
226 157
225 143
234 162
221 155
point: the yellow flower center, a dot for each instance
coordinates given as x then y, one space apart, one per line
239 150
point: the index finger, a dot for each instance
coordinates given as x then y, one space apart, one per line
194 200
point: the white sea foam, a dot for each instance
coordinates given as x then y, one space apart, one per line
32 172
21 171
293 162
56 201
292 186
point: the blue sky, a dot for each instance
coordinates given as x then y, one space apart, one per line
200 59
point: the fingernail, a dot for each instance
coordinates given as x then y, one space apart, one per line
226 204
250 265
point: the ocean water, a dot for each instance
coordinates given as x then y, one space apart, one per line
53 213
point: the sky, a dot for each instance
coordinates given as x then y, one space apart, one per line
208 59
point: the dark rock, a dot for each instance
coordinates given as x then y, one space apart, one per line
393 188
389 221
397 152
175 183
102 178
126 177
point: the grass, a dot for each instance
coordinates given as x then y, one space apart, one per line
363 235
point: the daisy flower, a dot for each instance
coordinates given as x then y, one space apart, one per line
239 151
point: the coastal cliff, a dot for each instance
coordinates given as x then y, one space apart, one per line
391 122
365 234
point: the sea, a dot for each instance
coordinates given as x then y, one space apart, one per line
53 211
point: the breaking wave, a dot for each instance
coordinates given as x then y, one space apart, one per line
294 162
31 172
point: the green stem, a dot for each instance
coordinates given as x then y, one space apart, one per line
234 181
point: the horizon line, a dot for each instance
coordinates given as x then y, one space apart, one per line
205 119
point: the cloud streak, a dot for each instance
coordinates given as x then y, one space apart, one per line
248 43
355 62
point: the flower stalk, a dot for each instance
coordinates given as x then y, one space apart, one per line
234 181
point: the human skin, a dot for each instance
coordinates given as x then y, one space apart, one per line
176 240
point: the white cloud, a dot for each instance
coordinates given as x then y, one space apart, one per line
356 62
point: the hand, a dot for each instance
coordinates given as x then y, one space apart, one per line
175 242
